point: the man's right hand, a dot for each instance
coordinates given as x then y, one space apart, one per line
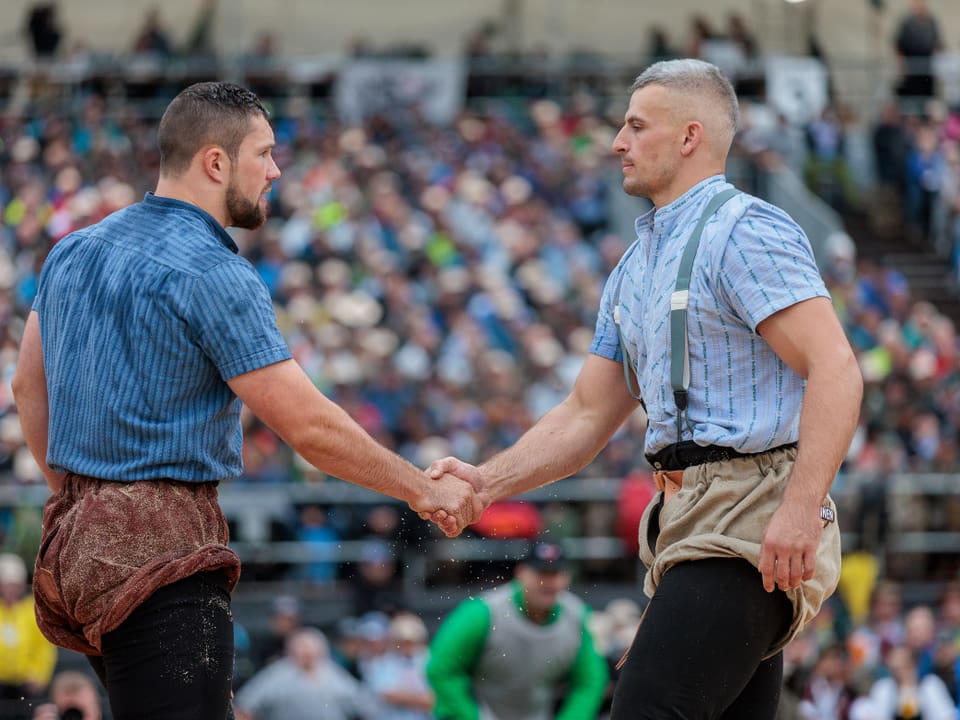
452 502
451 466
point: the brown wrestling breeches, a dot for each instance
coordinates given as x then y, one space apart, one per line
108 546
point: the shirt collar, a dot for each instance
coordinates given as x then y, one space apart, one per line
664 220
159 201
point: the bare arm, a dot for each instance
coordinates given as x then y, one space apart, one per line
30 392
563 441
328 438
808 337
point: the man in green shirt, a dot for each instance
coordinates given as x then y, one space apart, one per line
521 651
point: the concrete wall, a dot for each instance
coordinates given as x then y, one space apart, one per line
850 29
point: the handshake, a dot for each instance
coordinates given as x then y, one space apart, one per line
453 496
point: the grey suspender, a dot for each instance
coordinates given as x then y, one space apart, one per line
679 299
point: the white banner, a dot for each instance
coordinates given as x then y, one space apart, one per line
436 88
796 87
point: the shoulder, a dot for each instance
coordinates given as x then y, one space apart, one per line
744 207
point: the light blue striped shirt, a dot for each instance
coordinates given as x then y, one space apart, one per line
143 317
753 261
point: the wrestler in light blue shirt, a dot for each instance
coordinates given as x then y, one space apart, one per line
153 404
753 261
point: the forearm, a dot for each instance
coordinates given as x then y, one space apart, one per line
828 419
323 433
562 442
336 444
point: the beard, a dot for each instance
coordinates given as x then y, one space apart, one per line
241 212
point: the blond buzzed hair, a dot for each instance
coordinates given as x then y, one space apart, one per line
695 81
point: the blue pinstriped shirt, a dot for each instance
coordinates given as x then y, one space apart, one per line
143 317
753 261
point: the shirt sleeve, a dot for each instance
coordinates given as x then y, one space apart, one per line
606 337
232 317
588 678
454 652
767 266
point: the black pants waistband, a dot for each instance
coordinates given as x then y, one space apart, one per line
682 455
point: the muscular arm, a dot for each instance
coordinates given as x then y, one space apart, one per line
30 392
568 437
328 438
808 337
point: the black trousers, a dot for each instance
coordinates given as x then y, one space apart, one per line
698 652
172 659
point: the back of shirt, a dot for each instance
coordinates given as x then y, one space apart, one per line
143 317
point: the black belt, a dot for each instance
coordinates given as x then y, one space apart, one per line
686 454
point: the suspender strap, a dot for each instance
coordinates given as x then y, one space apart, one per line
679 299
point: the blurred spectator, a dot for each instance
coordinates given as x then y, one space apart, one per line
152 38
917 41
73 696
285 619
741 35
43 29
303 685
398 678
926 174
317 533
827 171
890 146
373 629
659 47
523 649
199 42
904 694
699 32
27 658
827 693
376 583
920 637
869 643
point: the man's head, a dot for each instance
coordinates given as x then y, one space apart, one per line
407 633
543 575
678 128
216 151
74 691
308 649
13 578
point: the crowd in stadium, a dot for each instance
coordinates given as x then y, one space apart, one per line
440 283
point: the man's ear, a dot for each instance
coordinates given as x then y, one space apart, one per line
216 163
692 137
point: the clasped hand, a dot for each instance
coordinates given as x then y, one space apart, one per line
454 496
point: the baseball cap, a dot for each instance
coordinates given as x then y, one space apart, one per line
546 557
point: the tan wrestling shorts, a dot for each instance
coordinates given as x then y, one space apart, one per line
720 509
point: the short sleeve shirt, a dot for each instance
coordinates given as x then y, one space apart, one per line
753 261
143 318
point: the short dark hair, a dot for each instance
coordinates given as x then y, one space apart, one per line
207 113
